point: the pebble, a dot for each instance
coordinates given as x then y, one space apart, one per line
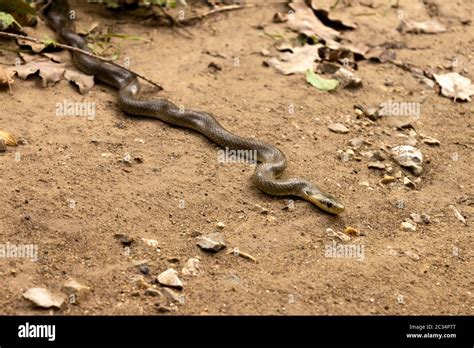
261 210
72 287
170 278
408 183
376 165
338 128
191 268
415 217
153 292
356 143
144 269
351 231
43 298
387 179
163 309
125 239
171 295
407 227
341 236
220 225
140 282
345 156
412 255
409 157
426 219
211 242
364 183
431 141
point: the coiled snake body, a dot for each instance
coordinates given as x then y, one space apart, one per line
271 161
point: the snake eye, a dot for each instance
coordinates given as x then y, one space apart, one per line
329 204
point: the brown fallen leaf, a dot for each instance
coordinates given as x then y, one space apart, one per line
431 26
40 31
299 60
455 86
323 9
51 72
304 21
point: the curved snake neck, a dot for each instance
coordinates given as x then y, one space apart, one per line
271 161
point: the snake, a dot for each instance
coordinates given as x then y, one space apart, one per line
270 161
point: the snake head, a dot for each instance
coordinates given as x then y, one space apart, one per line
323 201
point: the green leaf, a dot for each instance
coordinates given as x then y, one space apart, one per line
6 20
16 6
49 42
320 83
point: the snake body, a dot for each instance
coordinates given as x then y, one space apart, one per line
271 162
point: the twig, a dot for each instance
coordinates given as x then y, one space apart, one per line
75 49
213 11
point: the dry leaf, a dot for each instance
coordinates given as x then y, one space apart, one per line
8 138
304 21
298 61
52 72
339 19
40 31
455 86
431 26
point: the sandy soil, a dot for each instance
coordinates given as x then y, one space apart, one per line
180 189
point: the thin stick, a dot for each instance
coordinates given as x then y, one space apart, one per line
75 49
215 10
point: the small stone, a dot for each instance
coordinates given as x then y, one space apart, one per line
407 227
125 239
290 205
261 210
191 268
151 242
163 309
415 217
345 156
220 225
171 295
43 298
412 255
170 278
212 242
338 128
400 204
140 282
387 179
80 292
408 183
431 141
426 219
356 142
144 269
351 231
376 165
409 157
339 235
264 52
364 183
153 292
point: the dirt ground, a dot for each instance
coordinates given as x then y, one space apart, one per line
181 190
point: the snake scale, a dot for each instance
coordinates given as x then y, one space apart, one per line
271 162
